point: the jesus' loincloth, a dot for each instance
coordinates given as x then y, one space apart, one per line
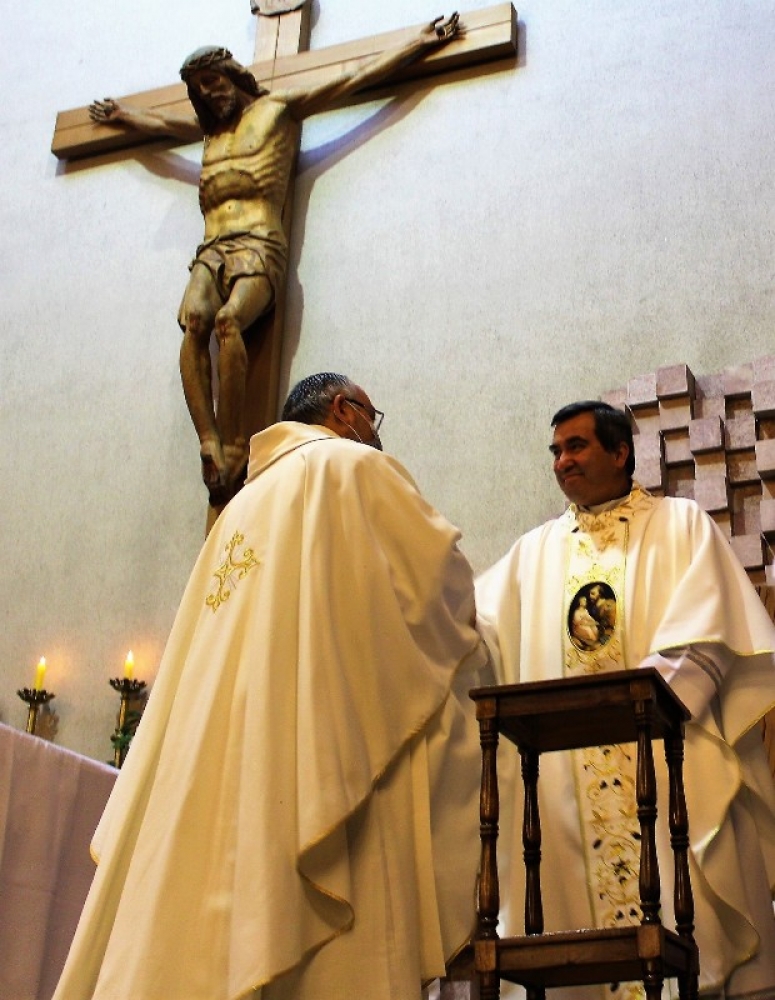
241 255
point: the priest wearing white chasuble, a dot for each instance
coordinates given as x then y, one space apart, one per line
625 580
298 814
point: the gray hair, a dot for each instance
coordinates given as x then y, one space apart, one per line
309 400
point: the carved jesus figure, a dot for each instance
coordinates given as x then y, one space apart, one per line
250 140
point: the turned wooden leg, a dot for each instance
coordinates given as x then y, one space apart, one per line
531 841
683 900
646 794
489 891
653 981
489 986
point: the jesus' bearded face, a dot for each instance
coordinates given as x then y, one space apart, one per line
217 91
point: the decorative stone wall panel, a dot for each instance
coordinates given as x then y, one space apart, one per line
711 438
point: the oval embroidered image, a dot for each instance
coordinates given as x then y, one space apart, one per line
592 616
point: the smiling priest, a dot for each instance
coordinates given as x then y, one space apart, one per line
298 815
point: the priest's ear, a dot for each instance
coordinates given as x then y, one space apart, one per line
339 406
339 419
621 454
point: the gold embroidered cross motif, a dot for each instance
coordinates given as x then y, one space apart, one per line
231 570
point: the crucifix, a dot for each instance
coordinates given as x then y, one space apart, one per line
251 134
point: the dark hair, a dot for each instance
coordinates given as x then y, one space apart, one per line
612 426
309 400
220 59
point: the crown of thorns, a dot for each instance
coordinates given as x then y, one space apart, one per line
203 58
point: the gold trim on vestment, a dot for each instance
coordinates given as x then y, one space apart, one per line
604 776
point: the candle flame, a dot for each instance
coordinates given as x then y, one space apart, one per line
40 673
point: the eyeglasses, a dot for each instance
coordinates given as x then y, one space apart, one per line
376 420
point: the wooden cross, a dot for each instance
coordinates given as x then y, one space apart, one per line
282 61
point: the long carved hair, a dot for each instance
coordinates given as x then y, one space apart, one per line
220 59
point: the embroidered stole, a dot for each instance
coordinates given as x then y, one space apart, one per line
604 776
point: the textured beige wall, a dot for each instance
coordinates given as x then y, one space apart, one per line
476 254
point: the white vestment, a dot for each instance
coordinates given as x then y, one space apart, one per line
683 604
298 814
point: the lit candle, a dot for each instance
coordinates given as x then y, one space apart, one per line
40 673
129 665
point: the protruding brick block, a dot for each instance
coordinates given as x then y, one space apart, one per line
648 446
705 434
711 493
742 468
677 450
642 391
767 518
675 414
673 381
740 432
616 398
724 521
744 503
713 406
646 420
763 399
744 496
749 549
710 463
680 482
737 381
765 458
709 386
650 472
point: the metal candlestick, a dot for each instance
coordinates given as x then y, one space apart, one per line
35 698
125 728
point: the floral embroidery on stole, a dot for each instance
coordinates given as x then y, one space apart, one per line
604 776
